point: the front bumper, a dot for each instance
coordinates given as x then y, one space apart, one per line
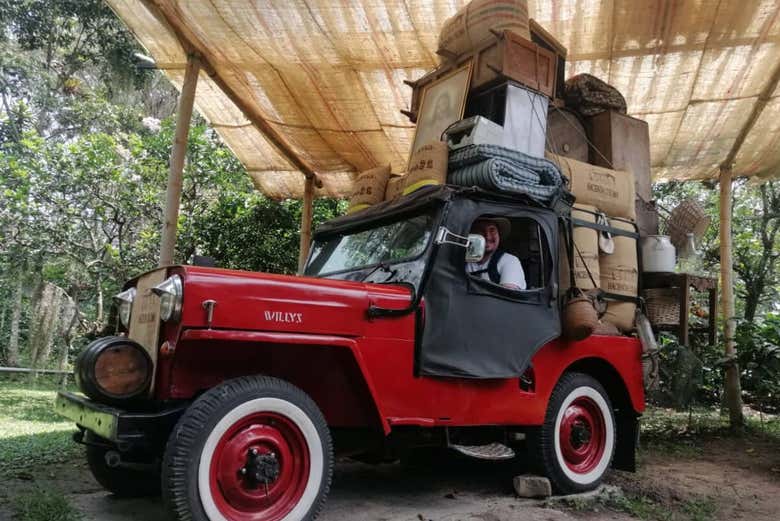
117 425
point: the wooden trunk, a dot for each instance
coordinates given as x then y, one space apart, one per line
508 57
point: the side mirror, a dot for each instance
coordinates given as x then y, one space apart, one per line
474 243
475 249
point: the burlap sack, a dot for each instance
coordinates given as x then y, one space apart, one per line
369 188
428 166
586 241
590 95
471 26
611 191
620 274
395 187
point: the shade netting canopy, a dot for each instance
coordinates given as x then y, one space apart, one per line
325 78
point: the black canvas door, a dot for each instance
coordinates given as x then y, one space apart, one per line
477 329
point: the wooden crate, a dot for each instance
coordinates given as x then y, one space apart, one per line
541 37
508 57
621 142
566 134
512 57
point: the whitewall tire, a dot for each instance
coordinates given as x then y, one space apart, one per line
575 445
251 449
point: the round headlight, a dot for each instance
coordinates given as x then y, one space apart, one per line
114 369
170 292
125 305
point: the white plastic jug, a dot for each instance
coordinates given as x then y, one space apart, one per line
658 253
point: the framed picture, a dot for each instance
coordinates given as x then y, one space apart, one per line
442 104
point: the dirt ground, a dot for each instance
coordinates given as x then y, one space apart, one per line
721 479
740 477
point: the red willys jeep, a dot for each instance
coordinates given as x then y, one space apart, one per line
233 390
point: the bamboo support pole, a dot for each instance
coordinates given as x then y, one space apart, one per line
306 218
178 153
189 40
732 396
732 389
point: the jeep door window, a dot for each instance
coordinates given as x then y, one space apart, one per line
498 265
387 244
520 259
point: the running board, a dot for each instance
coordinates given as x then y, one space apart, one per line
492 451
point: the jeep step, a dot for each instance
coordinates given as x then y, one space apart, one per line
492 451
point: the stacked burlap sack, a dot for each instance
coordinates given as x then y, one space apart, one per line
427 166
599 262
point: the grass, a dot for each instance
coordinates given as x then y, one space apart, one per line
643 507
682 432
31 434
646 509
43 505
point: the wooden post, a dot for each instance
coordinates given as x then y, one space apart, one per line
306 215
732 398
712 325
685 308
178 153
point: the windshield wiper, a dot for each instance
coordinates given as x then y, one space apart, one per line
381 266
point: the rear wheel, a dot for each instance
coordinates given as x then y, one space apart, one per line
574 447
251 449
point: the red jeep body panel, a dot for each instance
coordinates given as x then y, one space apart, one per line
316 333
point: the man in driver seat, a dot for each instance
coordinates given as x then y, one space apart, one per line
497 266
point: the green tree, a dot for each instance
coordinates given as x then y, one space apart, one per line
252 232
85 140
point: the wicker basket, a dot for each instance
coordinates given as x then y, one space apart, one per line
663 306
688 217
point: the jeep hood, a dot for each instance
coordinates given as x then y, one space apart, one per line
268 302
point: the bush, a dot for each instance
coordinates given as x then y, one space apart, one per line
758 353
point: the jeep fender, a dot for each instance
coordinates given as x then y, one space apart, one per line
330 369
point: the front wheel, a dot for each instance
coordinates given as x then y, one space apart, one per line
250 449
574 447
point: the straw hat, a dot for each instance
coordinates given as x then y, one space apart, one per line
502 223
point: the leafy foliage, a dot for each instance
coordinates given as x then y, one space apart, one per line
759 360
85 140
255 233
756 243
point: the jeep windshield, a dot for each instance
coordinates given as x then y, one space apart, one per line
382 253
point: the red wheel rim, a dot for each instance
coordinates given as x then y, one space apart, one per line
240 498
583 435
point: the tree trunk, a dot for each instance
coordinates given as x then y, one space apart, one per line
44 325
51 326
68 319
3 345
99 287
770 225
16 317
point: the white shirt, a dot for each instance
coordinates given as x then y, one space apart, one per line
509 268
